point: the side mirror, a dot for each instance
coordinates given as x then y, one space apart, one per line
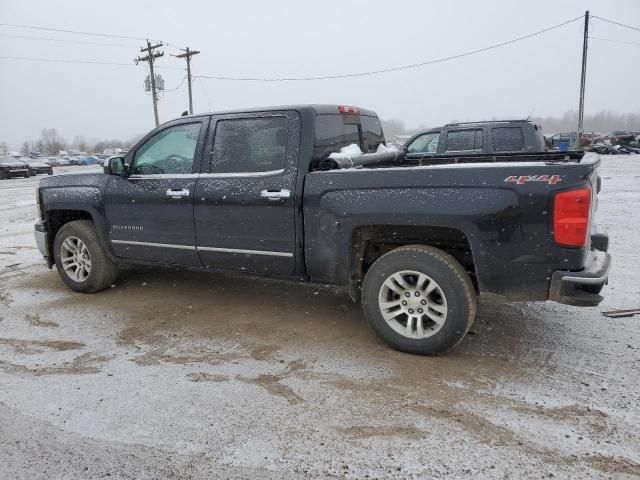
115 166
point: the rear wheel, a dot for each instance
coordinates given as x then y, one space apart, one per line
27 174
419 299
80 260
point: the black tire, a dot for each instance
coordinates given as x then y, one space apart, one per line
50 172
3 174
27 174
452 280
103 272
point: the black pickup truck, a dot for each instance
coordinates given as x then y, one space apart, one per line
416 239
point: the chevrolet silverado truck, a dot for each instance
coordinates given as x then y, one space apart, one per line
417 239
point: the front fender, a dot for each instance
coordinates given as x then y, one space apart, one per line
63 204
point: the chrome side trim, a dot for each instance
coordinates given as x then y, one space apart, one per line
207 249
242 174
149 244
161 176
250 252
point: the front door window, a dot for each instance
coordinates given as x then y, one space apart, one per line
170 151
427 143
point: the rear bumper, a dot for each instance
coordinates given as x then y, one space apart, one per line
582 288
40 233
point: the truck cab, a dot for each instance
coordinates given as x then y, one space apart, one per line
494 137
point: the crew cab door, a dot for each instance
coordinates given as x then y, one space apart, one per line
150 209
245 200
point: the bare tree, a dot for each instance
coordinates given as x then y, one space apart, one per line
80 143
4 148
51 141
24 149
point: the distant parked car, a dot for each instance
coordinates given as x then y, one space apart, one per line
89 160
509 136
62 162
37 166
13 167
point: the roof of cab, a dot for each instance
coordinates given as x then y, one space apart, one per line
318 109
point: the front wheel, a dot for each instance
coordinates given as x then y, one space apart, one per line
80 260
27 174
419 299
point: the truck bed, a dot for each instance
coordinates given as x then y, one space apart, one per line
370 161
498 204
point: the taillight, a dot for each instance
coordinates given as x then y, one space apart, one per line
571 211
348 109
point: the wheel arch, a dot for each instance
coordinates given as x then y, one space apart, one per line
370 242
58 217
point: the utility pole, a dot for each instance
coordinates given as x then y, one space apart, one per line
583 80
187 55
151 57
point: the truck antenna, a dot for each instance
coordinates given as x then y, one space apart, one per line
532 110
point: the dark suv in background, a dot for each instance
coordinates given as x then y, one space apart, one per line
509 136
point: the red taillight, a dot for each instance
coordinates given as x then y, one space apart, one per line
571 211
348 109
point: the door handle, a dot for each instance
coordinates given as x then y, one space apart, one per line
275 195
178 193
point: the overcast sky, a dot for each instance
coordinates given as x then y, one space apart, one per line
295 38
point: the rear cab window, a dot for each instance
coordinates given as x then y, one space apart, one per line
335 131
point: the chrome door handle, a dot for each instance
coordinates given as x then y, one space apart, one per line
275 194
178 193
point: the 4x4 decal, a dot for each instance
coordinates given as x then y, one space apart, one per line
522 179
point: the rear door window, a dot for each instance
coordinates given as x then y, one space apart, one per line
507 139
464 140
250 145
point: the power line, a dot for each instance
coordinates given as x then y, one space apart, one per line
34 27
67 41
176 88
323 77
206 94
392 69
616 23
91 62
614 41
57 60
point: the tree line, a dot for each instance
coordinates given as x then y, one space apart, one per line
50 142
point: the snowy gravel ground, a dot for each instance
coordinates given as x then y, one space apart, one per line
192 375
